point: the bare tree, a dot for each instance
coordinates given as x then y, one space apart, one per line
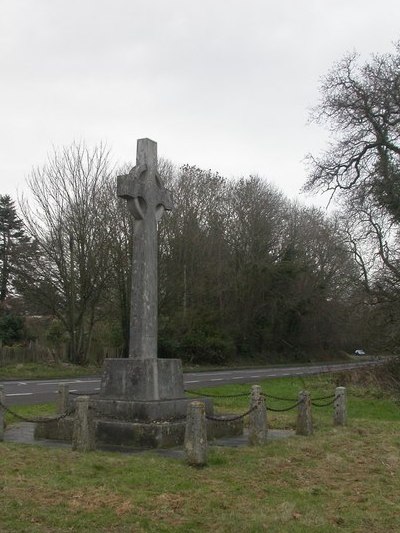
361 105
67 214
361 168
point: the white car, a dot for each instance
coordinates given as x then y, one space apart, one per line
359 352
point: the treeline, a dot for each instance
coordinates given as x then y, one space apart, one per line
246 271
243 271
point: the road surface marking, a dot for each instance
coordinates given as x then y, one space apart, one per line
20 394
45 383
194 381
216 379
255 376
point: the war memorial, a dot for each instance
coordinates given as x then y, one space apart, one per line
142 401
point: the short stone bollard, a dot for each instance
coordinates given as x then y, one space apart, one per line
195 443
2 418
304 424
62 400
83 437
258 427
339 407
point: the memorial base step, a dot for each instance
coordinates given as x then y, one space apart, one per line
159 434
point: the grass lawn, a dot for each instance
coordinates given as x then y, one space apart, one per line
340 479
46 371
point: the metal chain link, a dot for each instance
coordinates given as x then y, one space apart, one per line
231 418
325 404
240 395
324 398
286 409
278 397
37 418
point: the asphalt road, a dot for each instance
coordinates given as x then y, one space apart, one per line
42 391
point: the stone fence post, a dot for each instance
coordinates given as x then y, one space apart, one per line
304 424
62 400
196 434
258 428
2 421
339 407
83 437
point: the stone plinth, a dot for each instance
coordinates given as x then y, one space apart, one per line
147 379
156 434
144 411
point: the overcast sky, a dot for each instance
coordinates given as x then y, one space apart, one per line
221 84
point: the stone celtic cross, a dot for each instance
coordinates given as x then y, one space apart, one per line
147 199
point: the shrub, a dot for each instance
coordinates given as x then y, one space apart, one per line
12 328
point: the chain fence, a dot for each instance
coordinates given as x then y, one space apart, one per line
278 397
331 397
285 408
239 395
324 397
221 418
232 418
325 404
37 419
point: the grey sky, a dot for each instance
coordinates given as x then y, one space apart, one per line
224 85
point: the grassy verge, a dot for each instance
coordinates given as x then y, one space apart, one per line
29 411
340 479
67 370
46 371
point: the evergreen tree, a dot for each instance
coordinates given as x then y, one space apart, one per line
12 239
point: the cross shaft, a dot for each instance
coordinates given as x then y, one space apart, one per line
147 199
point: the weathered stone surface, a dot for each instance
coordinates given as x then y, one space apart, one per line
62 400
196 434
339 407
146 411
83 437
55 429
137 434
224 428
304 424
150 379
258 428
140 434
147 199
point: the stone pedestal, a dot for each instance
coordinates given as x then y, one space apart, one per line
148 379
126 414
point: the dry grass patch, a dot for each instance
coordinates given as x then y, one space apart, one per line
340 479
